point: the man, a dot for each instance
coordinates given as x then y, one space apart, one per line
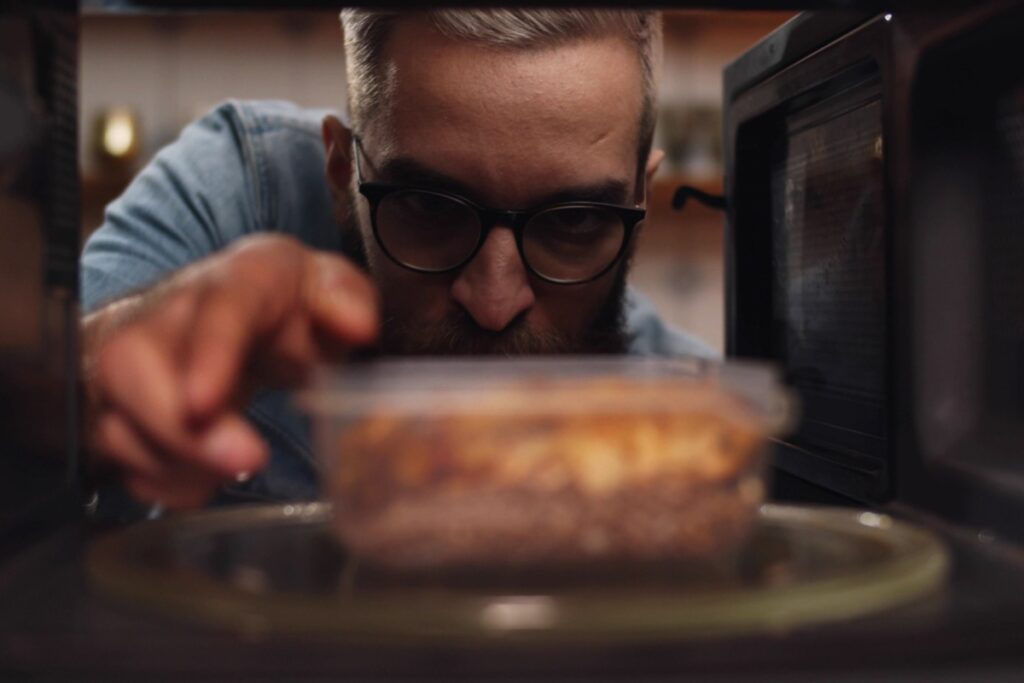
485 198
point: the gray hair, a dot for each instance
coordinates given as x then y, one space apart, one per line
366 33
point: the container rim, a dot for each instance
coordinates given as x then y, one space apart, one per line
551 385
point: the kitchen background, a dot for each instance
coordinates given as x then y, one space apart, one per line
143 78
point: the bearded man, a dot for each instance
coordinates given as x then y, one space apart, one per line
484 196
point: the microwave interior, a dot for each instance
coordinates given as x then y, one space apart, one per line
872 251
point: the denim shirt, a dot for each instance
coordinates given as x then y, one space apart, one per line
249 167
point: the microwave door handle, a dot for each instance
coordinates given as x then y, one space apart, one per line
684 192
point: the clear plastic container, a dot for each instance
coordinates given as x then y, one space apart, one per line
450 464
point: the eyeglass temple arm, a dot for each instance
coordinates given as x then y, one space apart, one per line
684 192
356 148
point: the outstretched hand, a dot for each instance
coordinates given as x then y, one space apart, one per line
168 371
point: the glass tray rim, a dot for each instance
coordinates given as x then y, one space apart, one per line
916 564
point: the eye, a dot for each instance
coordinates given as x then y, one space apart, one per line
574 225
573 243
575 220
427 203
426 230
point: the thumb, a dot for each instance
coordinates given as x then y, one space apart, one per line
342 301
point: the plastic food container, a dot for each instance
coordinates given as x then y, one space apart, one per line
543 462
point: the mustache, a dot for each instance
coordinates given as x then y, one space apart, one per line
459 334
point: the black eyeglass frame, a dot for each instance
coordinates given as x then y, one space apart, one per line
489 217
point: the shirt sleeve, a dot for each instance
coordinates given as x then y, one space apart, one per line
193 198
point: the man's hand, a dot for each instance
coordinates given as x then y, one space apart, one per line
168 371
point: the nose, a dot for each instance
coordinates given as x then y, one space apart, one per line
494 287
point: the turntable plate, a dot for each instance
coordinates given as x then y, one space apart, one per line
278 569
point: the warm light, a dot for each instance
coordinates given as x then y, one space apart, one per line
118 133
519 613
875 520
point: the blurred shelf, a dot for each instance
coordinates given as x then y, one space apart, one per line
686 18
668 182
101 7
754 6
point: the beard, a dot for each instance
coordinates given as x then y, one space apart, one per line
458 334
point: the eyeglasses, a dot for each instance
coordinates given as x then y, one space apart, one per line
430 231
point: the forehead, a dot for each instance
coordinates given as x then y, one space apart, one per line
510 119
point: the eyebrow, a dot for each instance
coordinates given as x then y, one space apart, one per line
406 171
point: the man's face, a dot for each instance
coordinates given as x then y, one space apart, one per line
511 129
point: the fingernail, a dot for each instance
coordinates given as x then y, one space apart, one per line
227 448
336 295
342 301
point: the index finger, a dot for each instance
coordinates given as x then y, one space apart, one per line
220 339
267 302
343 301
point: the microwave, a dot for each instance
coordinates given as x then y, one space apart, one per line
875 192
874 180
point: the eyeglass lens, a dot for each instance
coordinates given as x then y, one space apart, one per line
572 243
434 232
425 230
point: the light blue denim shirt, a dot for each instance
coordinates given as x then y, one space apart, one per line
244 168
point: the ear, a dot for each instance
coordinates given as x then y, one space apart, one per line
654 160
337 152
